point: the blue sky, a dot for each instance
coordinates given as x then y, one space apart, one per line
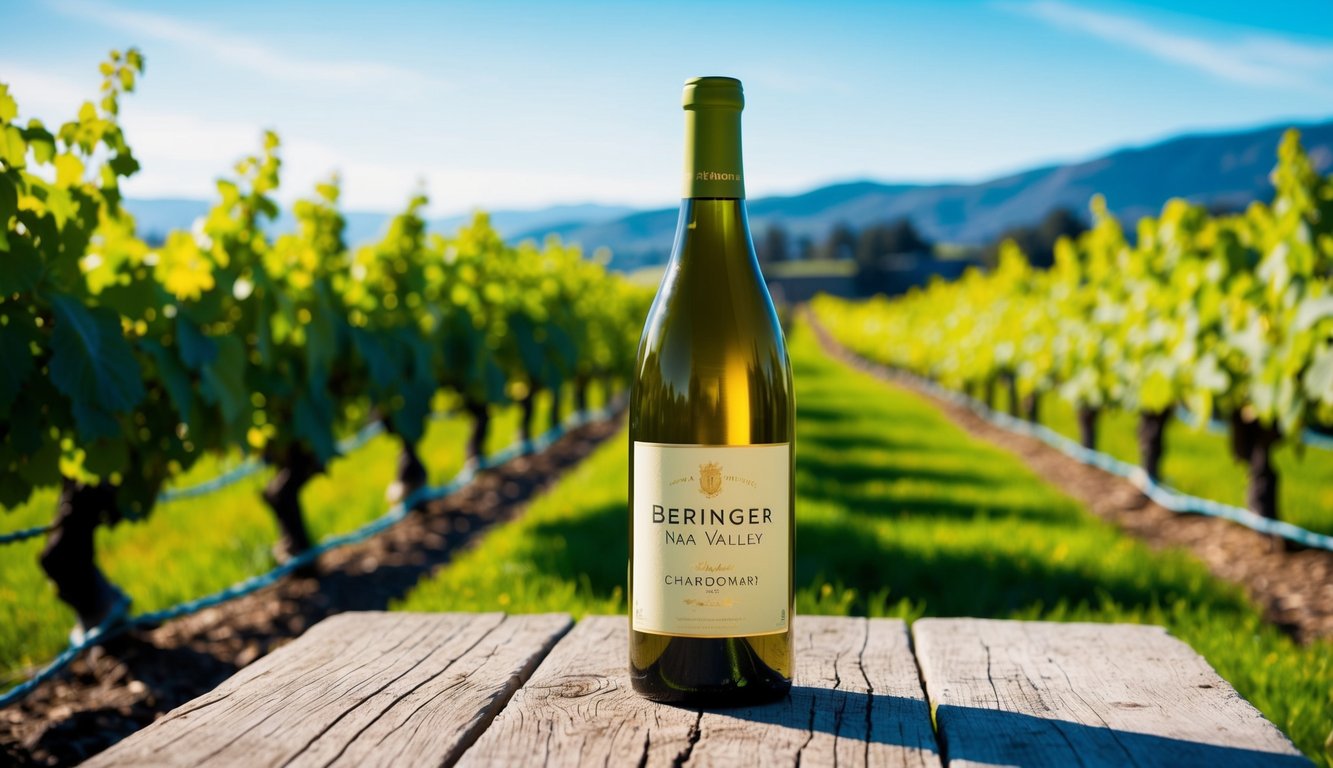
524 104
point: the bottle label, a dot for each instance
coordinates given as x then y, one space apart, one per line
711 539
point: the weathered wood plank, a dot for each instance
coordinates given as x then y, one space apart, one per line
357 689
1040 693
857 700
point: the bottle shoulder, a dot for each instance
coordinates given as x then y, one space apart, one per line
715 319
712 368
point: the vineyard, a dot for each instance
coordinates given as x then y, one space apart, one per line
1218 316
127 365
214 416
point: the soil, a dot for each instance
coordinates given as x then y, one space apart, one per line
1292 585
125 684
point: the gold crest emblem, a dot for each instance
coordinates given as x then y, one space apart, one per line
710 479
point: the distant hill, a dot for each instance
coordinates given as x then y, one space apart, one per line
1221 169
1227 170
155 217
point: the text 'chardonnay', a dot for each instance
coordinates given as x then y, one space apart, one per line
712 416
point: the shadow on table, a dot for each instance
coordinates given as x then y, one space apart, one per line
990 737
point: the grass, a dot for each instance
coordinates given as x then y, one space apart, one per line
1199 463
900 513
193 547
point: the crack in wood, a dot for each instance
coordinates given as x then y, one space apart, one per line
342 715
192 707
695 732
647 745
388 708
1073 689
870 694
809 731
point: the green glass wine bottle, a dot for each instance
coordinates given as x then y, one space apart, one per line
712 419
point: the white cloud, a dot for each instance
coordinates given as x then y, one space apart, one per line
244 52
1256 60
182 155
51 98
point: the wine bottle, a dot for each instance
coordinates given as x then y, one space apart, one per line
712 415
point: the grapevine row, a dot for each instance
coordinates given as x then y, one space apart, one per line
1228 315
124 363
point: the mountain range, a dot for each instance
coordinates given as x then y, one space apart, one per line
1225 170
157 216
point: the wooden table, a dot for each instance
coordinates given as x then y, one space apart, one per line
486 689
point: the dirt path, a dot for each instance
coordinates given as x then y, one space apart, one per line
117 689
1294 588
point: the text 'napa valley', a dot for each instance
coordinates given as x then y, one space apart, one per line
711 516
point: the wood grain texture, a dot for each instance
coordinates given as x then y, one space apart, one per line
357 689
1039 694
857 701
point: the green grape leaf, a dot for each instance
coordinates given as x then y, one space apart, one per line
20 267
41 142
9 205
93 365
14 490
321 346
562 343
17 334
493 381
13 149
69 170
371 348
106 455
267 208
313 420
63 208
1319 377
224 382
523 331
9 109
123 164
42 466
138 491
174 377
196 349
27 427
409 421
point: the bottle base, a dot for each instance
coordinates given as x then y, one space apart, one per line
712 697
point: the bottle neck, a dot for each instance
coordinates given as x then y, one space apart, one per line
713 154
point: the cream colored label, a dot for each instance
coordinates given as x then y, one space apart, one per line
711 549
